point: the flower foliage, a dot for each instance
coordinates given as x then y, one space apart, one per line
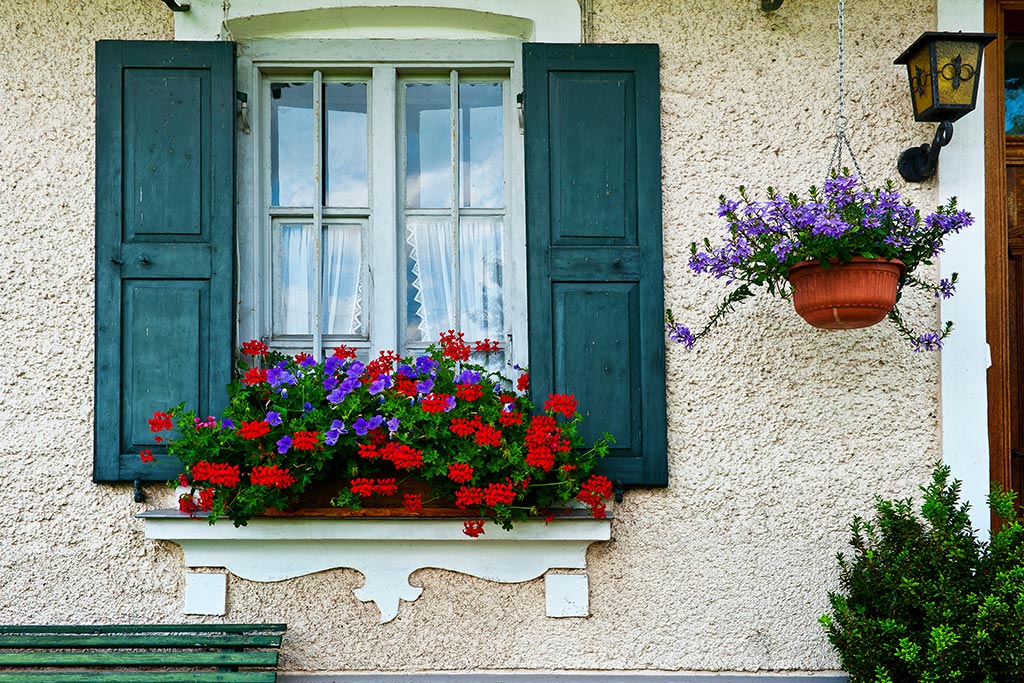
437 419
923 599
837 223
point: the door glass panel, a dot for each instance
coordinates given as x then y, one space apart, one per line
428 146
345 145
481 161
429 277
1013 86
293 280
291 144
342 290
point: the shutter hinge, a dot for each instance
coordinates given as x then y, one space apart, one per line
243 110
138 493
522 118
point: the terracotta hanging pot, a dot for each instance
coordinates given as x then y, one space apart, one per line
845 296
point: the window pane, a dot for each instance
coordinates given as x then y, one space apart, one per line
480 271
481 161
429 276
291 144
293 280
428 146
342 290
1013 88
345 135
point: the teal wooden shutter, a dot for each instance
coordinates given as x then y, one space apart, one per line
164 242
594 244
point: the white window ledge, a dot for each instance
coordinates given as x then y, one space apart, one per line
388 551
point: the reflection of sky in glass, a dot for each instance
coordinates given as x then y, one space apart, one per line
345 136
291 144
1014 86
481 163
428 145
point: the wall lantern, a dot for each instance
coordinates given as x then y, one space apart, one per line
943 69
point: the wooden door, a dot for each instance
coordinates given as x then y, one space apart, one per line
1004 237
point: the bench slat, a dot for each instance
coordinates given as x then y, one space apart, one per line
140 677
140 628
159 658
137 642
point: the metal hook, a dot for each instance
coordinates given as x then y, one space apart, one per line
175 7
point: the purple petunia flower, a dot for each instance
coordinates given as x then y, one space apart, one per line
307 407
337 429
283 444
227 423
680 334
407 371
355 369
307 362
277 377
467 377
331 365
380 384
330 383
393 425
361 426
930 341
425 364
426 386
273 418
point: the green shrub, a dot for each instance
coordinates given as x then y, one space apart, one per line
924 600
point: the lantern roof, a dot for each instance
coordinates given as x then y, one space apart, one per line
929 36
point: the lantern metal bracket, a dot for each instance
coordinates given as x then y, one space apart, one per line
918 164
770 5
177 7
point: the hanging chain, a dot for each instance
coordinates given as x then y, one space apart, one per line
836 164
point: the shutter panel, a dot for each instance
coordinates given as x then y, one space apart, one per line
594 245
164 243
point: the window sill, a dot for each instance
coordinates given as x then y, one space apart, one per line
386 551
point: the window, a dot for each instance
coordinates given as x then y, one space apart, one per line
379 197
387 199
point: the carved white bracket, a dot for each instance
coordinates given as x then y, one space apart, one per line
385 551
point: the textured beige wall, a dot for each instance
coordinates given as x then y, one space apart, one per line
778 433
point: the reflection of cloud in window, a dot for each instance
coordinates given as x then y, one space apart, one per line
293 176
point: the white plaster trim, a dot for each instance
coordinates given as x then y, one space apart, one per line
385 551
206 594
550 21
965 358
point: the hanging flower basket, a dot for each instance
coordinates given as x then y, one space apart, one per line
845 296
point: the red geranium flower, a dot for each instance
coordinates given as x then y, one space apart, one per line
460 426
254 347
160 421
486 346
454 346
460 472
254 429
509 419
362 487
305 441
344 352
469 392
468 495
271 476
437 403
217 473
499 494
413 502
523 383
146 455
401 456
487 435
473 527
560 403
254 376
386 487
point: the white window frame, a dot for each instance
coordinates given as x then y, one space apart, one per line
384 62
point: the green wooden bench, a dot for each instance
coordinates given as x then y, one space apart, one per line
144 653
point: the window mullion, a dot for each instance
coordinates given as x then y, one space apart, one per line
318 213
456 277
384 211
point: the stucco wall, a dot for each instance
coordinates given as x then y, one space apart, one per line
778 433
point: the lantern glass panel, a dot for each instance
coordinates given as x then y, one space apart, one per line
957 63
920 71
